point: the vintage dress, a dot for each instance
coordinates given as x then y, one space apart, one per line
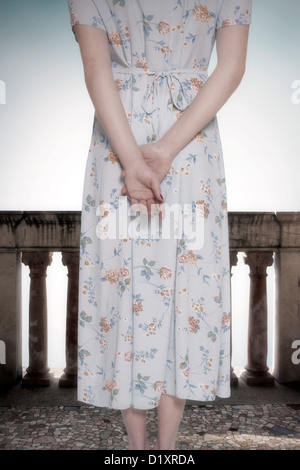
154 312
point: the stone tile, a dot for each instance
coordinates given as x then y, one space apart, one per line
236 427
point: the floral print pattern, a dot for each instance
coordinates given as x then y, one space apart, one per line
154 313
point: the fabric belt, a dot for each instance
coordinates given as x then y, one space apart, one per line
175 80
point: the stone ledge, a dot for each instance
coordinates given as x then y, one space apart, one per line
60 230
38 230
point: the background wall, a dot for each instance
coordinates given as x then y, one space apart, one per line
45 128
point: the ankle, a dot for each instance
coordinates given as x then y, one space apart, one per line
146 445
138 444
163 444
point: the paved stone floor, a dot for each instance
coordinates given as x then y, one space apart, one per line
204 427
253 418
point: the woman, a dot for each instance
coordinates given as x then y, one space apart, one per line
154 309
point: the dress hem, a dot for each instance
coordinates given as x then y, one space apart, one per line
208 400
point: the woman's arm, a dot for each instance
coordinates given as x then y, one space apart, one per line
231 45
142 183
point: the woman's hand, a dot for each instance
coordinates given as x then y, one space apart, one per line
157 160
142 185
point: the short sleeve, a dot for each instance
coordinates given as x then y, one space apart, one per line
234 12
85 12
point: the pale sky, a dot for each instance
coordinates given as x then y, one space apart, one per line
45 123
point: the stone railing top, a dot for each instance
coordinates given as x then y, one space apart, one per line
289 228
40 230
254 230
60 230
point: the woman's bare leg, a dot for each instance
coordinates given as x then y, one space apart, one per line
170 411
135 423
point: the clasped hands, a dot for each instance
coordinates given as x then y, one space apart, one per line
142 180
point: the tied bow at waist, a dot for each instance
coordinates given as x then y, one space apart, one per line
182 85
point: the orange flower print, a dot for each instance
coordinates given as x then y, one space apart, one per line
194 326
115 38
166 292
199 137
151 329
202 208
183 258
226 320
196 306
112 157
192 258
224 207
166 50
112 275
104 324
85 397
158 386
110 385
137 307
128 356
163 27
196 84
141 63
165 273
103 209
103 343
124 272
119 84
205 188
201 13
126 338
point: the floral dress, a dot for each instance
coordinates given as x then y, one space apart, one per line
154 304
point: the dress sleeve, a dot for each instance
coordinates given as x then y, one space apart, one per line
85 12
234 12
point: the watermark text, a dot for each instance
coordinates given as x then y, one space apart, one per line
296 93
179 221
296 354
2 352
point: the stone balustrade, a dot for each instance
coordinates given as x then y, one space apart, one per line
31 238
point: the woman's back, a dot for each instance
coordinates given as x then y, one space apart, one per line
155 310
161 34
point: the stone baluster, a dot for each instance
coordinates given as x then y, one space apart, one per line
287 308
233 262
256 370
38 373
69 377
10 316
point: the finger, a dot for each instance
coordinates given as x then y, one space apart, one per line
136 206
155 186
143 206
162 211
124 190
151 205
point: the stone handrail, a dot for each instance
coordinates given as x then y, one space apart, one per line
31 238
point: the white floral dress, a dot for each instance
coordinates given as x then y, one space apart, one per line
154 311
